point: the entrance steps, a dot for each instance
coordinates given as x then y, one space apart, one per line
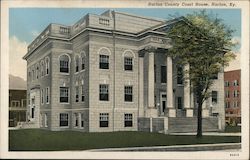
189 124
27 125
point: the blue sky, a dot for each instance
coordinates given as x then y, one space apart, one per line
25 23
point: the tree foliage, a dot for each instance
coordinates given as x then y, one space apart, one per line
204 42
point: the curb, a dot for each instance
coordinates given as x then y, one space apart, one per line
198 147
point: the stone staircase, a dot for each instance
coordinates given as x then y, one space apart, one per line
27 125
189 124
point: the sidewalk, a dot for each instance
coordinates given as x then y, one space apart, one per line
210 134
223 147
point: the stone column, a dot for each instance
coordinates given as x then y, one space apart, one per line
141 86
189 111
170 105
151 110
151 89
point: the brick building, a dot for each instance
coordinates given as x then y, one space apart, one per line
232 97
17 107
111 72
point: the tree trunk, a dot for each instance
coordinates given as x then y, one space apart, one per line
199 121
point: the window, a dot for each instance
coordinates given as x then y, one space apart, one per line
227 93
128 64
76 119
104 119
83 95
64 94
179 100
47 95
47 65
15 103
64 119
104 92
42 69
64 64
128 120
128 93
214 96
83 63
82 120
33 75
227 104
235 93
235 104
104 62
235 83
226 84
163 74
29 75
77 93
42 96
77 63
37 72
24 102
179 75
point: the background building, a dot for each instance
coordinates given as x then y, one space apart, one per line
17 107
232 97
112 72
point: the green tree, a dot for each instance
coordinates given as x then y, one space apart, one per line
203 42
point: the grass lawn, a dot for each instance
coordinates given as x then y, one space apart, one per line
43 140
232 129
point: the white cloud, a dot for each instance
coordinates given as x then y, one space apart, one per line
17 49
234 64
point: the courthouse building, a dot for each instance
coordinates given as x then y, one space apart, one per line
112 72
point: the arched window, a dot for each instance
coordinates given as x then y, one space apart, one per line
47 65
42 68
77 63
37 71
128 56
104 54
64 63
83 59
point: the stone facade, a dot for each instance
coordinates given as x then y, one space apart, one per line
107 73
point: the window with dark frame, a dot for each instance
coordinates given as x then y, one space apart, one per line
128 120
83 95
76 119
82 120
77 64
64 64
77 93
104 62
42 95
179 101
104 92
64 94
64 119
104 119
83 63
179 75
214 96
128 93
163 74
47 95
128 63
